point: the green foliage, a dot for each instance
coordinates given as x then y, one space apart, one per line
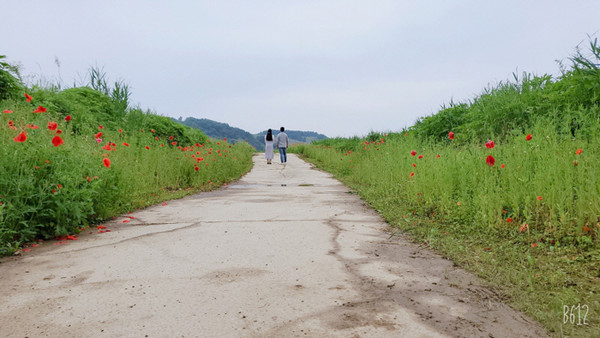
529 224
48 191
10 82
512 107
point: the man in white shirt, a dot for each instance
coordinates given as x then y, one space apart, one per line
281 142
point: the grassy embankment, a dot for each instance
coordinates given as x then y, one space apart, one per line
528 221
90 157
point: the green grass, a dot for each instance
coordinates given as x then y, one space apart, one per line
48 191
530 223
473 213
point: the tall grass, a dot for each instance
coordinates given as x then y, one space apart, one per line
49 190
529 223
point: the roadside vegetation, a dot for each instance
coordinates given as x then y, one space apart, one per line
506 185
72 158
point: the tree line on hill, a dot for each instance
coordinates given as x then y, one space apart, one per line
221 130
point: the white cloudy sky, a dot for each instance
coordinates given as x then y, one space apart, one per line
341 68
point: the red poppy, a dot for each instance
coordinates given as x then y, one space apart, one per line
578 152
420 156
28 97
539 198
11 123
126 144
100 227
40 109
412 174
528 137
97 136
196 168
170 138
8 111
52 125
107 147
31 126
200 159
147 147
58 131
413 153
106 162
489 144
502 166
438 156
575 163
490 160
21 137
152 130
508 220
125 221
534 245
414 164
174 143
68 118
451 135
120 130
59 186
57 141
100 127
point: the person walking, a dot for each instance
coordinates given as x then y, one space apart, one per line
269 146
281 141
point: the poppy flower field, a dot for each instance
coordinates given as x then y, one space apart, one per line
515 200
62 171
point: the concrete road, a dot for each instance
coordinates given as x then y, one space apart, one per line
287 251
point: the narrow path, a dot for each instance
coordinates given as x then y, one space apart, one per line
284 252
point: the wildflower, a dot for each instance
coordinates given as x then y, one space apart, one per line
52 125
106 162
534 245
420 156
509 220
412 174
58 131
8 111
148 148
578 152
575 163
126 144
21 137
438 156
490 160
40 109
171 137
68 118
99 140
539 198
413 153
120 130
414 165
196 168
502 166
57 141
451 135
28 97
100 127
528 137
97 136
32 126
489 144
152 130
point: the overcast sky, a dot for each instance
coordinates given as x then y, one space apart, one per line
341 68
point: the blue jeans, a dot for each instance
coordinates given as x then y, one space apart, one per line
283 154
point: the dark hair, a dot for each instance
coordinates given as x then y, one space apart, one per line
269 135
282 129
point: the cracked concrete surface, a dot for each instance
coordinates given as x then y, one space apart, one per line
284 252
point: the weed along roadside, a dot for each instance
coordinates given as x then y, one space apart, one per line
511 197
285 251
71 159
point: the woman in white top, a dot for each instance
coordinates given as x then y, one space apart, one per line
269 146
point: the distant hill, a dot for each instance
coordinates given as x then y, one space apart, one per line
220 130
